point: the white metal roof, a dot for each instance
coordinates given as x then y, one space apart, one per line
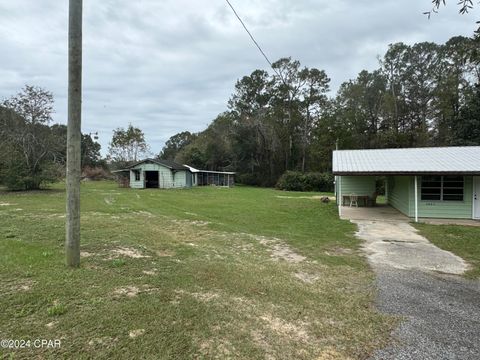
193 170
434 160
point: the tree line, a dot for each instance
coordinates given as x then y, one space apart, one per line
420 95
275 122
34 150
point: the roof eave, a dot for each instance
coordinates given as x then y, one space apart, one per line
404 173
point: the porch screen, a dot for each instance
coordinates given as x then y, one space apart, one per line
442 188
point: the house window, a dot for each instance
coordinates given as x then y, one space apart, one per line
442 188
136 173
453 188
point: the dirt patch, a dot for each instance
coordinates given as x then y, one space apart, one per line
128 291
164 253
150 272
306 278
109 200
314 197
18 286
86 254
191 222
284 252
144 213
217 349
136 333
129 252
6 204
103 341
279 250
201 296
339 251
51 325
286 329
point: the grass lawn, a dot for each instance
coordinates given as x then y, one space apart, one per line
463 241
201 273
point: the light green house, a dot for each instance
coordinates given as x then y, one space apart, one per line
442 182
167 174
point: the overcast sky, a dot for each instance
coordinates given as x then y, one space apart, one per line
169 66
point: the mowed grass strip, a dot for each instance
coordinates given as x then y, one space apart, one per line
463 241
176 274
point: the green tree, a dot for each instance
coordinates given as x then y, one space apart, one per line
175 144
30 161
128 145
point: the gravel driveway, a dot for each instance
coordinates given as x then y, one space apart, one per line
420 282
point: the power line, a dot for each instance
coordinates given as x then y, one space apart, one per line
251 36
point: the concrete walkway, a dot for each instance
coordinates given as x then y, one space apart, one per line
397 244
419 282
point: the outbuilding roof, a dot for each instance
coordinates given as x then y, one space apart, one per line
193 170
434 160
167 163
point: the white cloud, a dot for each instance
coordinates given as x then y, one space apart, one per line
169 66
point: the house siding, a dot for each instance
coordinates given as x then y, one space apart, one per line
359 185
401 195
180 179
166 180
444 209
136 184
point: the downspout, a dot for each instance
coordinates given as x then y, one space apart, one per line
416 198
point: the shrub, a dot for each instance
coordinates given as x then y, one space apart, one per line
96 173
16 175
312 181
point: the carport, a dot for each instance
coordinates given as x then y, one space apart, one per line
437 182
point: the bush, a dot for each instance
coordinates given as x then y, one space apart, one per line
96 173
16 175
313 181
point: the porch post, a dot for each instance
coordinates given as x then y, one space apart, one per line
416 198
386 190
339 194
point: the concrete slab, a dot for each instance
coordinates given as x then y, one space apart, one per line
377 213
388 213
398 245
463 222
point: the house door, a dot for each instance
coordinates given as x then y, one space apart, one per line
476 197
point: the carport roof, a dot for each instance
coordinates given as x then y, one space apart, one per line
434 160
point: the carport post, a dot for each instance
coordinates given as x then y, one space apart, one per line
339 194
386 190
416 198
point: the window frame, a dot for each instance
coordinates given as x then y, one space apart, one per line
442 188
137 175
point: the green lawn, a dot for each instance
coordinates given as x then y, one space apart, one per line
463 241
201 273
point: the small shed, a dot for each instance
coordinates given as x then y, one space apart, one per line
156 173
436 182
167 174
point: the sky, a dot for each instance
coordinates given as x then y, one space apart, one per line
170 66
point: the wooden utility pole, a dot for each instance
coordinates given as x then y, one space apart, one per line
74 135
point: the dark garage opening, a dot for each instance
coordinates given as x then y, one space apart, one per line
151 179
